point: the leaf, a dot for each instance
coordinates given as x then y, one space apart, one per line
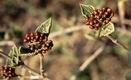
45 26
86 10
95 3
14 58
107 29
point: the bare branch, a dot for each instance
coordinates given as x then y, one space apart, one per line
91 58
88 61
118 43
72 29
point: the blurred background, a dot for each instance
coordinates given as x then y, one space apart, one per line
71 47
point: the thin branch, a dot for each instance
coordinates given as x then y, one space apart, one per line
41 64
118 43
9 43
91 58
69 30
88 61
23 73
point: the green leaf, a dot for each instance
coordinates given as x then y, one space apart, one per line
45 26
14 58
86 10
107 29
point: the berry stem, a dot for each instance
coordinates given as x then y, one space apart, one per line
41 65
118 43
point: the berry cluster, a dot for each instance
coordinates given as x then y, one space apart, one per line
7 72
99 17
38 42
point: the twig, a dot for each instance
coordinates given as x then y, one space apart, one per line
88 61
33 77
22 73
118 43
27 67
10 43
41 65
91 58
69 30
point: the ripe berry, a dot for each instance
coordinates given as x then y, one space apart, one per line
94 21
7 72
95 12
98 17
91 23
106 13
109 10
103 9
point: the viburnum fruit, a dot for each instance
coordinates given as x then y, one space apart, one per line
99 17
38 42
7 72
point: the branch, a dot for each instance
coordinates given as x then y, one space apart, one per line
91 58
41 64
88 61
118 43
69 30
9 43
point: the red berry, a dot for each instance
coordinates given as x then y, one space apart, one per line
91 23
95 13
97 25
106 13
109 10
94 21
97 17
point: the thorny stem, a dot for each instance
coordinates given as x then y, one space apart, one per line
118 43
27 67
